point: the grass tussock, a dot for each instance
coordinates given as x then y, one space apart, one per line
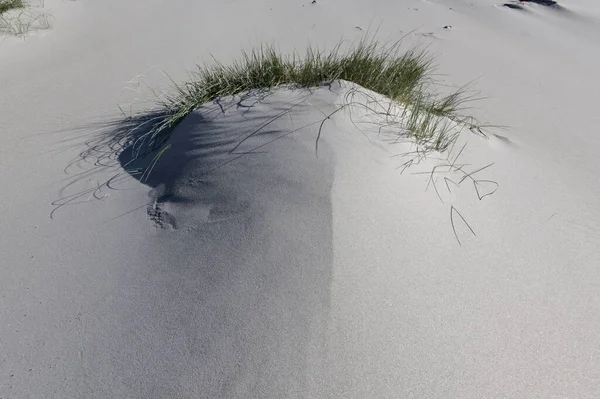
403 77
20 17
6 5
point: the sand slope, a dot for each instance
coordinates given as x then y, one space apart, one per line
286 271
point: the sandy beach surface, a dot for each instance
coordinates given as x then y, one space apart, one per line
274 269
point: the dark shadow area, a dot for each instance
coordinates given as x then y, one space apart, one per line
519 4
232 290
221 135
553 5
546 3
514 6
117 148
101 146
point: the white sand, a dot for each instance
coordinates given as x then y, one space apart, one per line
284 274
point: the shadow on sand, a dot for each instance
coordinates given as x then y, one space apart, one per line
520 4
242 258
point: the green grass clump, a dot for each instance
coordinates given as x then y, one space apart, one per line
6 5
405 78
24 19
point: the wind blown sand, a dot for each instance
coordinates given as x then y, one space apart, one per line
277 269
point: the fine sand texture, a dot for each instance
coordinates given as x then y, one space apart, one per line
281 249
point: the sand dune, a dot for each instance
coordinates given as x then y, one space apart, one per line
266 267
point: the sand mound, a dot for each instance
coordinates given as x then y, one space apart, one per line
241 135
252 264
267 210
